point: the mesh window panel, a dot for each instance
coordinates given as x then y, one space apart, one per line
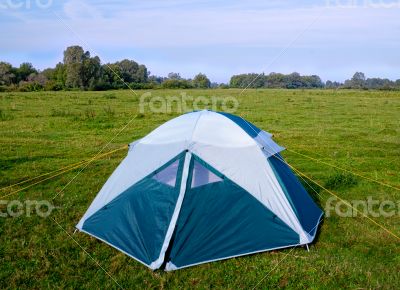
168 175
202 176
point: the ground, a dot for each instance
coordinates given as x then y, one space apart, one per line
41 132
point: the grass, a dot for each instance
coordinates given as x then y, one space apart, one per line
341 180
44 131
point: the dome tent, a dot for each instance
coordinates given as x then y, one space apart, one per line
202 187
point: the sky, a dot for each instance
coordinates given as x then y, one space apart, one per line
330 38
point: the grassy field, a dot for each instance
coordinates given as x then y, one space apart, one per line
44 131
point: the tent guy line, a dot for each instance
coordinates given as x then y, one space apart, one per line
175 212
86 252
327 190
125 147
279 262
65 168
58 172
346 170
101 150
350 205
299 173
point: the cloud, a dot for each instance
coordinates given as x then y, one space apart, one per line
190 28
223 37
78 9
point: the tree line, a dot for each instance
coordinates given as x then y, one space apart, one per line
80 71
297 81
276 80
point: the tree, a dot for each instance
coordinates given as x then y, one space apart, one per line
251 80
34 82
7 76
112 76
49 73
74 54
74 57
176 84
156 79
60 74
91 73
358 80
174 76
215 85
55 77
38 78
128 69
276 80
201 81
86 72
294 81
332 85
313 81
24 71
142 74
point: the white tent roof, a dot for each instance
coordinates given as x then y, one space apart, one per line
203 127
220 142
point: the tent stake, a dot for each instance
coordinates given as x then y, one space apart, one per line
308 249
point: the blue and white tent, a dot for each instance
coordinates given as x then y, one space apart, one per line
202 187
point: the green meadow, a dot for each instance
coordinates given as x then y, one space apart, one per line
43 131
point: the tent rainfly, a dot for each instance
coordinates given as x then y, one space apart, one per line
202 187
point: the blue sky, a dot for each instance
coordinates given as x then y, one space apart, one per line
331 38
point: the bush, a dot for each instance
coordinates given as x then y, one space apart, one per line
176 84
341 180
30 87
53 86
142 86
